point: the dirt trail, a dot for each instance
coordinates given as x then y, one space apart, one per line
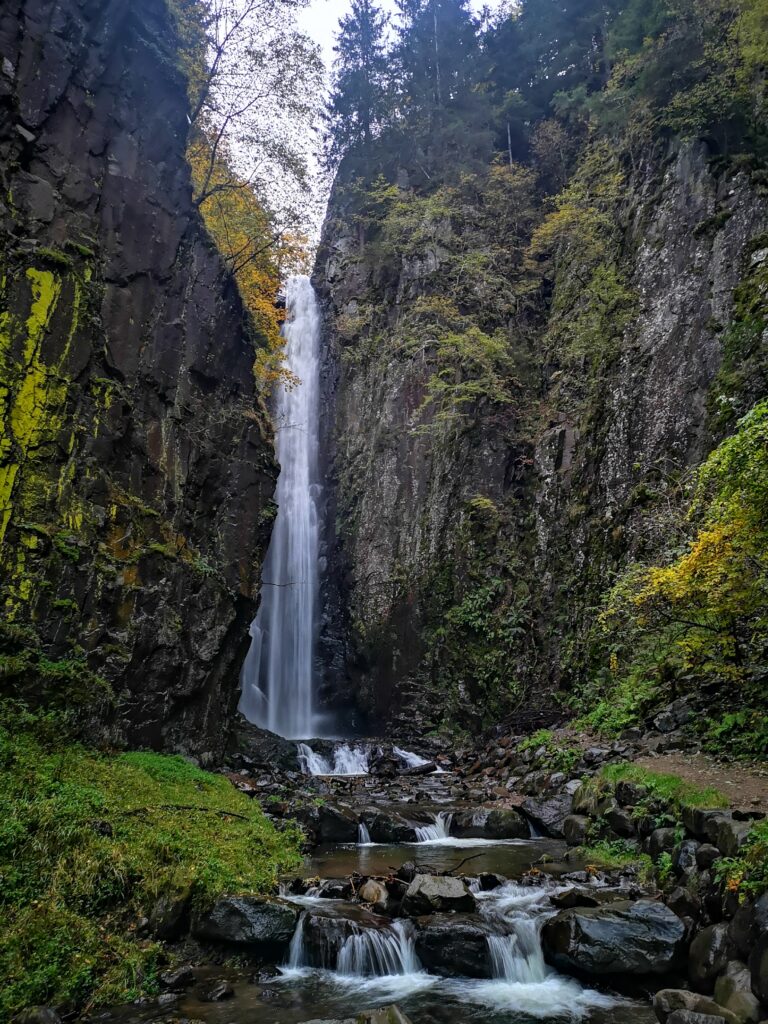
746 786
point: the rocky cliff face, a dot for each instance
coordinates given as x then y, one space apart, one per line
136 472
565 489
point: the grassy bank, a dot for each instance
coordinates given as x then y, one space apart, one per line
88 844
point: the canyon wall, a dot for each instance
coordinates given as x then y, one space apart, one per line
498 535
136 467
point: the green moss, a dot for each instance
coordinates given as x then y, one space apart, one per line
89 841
747 874
614 855
54 256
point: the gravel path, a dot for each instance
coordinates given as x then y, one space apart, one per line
746 786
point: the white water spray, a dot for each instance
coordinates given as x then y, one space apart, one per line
277 679
346 761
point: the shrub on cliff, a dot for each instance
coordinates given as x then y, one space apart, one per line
90 841
703 616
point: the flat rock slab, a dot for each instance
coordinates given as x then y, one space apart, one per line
428 894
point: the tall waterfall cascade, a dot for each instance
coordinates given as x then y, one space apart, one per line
278 675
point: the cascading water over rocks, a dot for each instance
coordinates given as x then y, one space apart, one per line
278 678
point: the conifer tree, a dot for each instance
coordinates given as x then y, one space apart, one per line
358 103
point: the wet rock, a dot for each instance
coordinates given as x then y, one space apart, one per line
490 880
178 979
749 923
549 814
668 1001
323 935
710 951
622 938
503 823
455 946
733 990
337 825
430 893
218 992
266 925
684 903
391 828
758 968
335 889
407 871
575 829
573 897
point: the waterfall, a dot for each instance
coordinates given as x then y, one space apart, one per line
379 953
433 833
346 761
411 760
518 957
363 835
277 678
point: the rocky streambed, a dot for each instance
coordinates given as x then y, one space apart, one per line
436 890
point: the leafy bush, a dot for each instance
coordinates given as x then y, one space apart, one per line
747 874
89 841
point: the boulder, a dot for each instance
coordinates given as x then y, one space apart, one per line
178 979
337 824
706 855
549 814
263 924
684 857
573 897
503 823
684 902
758 968
169 917
388 827
375 893
749 922
323 935
729 835
621 938
621 822
455 946
710 951
662 840
428 894
576 828
669 1001
629 794
335 889
733 990
218 992
489 880
696 820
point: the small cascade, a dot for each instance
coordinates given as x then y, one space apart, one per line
363 835
439 831
518 957
346 761
411 760
379 952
